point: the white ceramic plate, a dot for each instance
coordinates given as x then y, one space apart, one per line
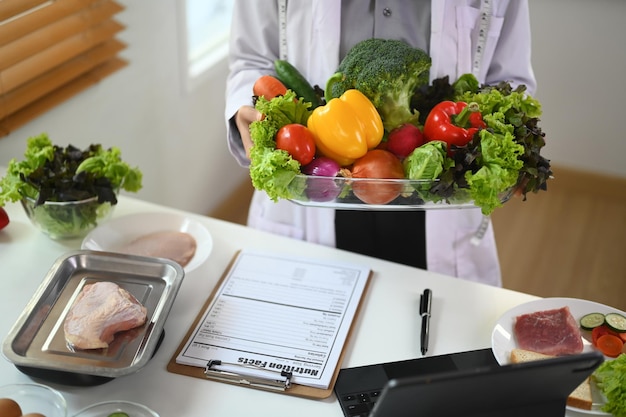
503 340
115 233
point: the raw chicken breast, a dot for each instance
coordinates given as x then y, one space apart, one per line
101 310
176 246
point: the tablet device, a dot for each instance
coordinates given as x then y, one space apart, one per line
465 383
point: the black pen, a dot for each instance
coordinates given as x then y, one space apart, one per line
426 301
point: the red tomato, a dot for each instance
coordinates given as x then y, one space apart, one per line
4 218
298 140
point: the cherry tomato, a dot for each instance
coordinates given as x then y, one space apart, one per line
4 218
298 140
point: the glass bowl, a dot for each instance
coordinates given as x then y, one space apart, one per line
36 398
107 408
376 194
67 220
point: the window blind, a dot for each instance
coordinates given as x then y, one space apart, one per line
51 50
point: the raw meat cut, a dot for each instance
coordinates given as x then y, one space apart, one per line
176 246
101 309
551 332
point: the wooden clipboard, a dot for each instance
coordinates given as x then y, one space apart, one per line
294 389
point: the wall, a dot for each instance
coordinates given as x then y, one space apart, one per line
579 59
177 138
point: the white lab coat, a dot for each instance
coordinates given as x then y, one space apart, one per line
312 45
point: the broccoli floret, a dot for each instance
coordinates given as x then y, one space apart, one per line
388 72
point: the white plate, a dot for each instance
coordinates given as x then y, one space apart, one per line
503 340
115 233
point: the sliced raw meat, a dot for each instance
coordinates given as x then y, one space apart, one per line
551 332
101 310
176 246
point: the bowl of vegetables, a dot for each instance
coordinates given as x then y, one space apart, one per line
382 136
66 192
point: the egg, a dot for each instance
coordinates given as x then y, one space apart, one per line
9 408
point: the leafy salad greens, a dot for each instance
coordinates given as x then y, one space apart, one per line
50 173
611 379
271 169
504 155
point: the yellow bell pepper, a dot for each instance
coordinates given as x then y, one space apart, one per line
346 127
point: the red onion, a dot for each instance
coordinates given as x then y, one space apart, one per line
322 189
322 167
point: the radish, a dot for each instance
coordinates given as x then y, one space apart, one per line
404 139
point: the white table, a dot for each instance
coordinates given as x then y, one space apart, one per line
464 314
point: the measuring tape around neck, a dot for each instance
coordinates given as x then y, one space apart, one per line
282 29
483 31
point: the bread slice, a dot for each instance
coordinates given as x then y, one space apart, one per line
521 355
581 397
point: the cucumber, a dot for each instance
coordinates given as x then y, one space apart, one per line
616 322
592 320
295 81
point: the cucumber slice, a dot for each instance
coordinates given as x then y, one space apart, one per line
592 320
616 322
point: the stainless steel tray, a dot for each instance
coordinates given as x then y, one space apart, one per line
37 340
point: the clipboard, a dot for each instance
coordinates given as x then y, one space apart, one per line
279 382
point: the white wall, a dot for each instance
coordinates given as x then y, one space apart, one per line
579 57
177 138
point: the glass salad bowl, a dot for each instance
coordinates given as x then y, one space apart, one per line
376 194
67 220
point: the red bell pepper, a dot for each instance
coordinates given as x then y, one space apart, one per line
453 122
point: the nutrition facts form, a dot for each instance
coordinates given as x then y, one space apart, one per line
274 313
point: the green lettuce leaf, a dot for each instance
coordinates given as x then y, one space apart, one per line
426 162
273 170
499 169
610 377
53 173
